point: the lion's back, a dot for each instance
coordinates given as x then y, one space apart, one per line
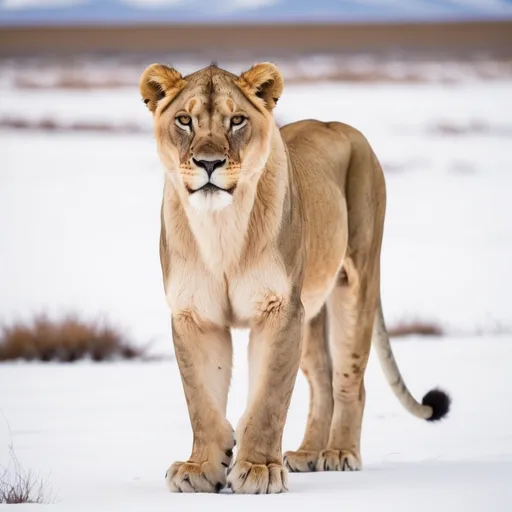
319 150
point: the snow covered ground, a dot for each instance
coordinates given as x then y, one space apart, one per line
105 435
80 212
79 226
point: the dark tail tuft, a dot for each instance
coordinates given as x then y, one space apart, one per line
440 403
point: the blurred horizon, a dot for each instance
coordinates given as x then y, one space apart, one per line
119 12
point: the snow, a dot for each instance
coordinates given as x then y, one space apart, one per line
79 228
95 203
106 434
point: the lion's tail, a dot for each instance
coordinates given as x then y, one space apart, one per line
435 404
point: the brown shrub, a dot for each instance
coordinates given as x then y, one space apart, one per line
65 340
416 327
474 127
74 82
52 125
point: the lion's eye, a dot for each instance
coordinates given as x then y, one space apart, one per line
184 120
237 120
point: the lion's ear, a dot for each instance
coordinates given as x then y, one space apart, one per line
264 81
157 82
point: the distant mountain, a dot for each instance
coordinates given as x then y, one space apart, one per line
40 12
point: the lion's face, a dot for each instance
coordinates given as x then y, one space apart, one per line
213 129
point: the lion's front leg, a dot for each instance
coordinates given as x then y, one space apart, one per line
204 355
274 357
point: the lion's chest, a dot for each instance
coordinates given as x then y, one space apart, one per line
251 293
234 298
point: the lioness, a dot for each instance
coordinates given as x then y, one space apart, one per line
278 230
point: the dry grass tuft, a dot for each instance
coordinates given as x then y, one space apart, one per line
18 485
25 487
417 328
66 340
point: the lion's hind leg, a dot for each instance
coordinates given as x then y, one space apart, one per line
351 309
315 363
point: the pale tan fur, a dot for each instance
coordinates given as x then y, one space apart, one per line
294 256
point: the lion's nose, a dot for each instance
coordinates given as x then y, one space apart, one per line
209 165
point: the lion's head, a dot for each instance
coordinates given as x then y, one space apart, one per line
213 128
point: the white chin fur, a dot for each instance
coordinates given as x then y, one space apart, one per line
210 201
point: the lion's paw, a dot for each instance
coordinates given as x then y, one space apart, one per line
207 475
247 478
338 460
302 461
196 477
